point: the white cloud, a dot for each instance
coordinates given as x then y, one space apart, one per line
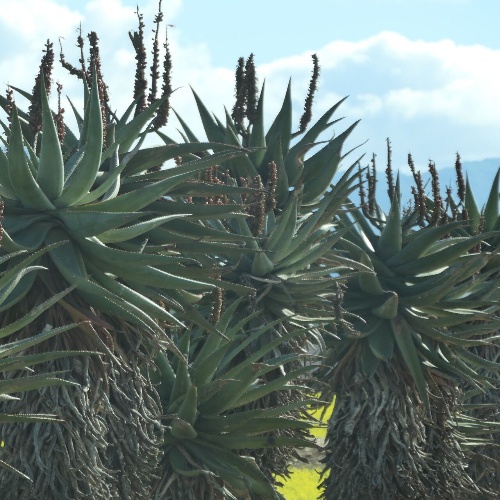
418 77
430 97
29 21
25 26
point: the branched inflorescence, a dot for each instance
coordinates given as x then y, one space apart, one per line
436 195
155 73
362 192
313 86
258 202
217 304
433 209
388 171
372 185
251 89
140 82
59 117
245 105
238 113
81 72
418 191
46 67
460 179
10 103
368 199
95 65
272 182
141 95
166 89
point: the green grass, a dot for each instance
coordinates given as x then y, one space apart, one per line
304 482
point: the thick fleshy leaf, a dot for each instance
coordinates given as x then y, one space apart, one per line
212 129
491 214
294 159
282 125
32 382
404 340
90 223
257 137
391 237
14 347
130 232
6 189
21 177
127 134
50 175
151 157
84 174
472 209
320 169
140 198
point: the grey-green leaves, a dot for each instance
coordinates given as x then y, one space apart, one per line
22 177
84 174
50 175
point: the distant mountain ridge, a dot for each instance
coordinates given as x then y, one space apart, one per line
480 173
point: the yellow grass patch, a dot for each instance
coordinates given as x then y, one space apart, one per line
303 485
304 482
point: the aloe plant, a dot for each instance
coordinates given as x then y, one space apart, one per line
479 423
210 428
80 208
399 365
286 227
13 357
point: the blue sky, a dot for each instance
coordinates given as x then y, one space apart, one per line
425 73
